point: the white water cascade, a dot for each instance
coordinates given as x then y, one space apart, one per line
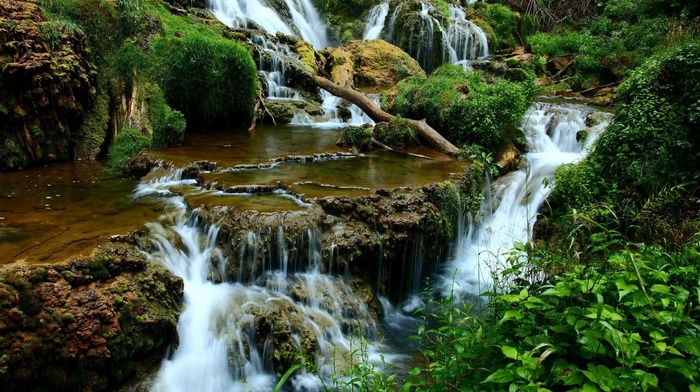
483 249
331 116
462 41
375 21
219 345
274 59
305 21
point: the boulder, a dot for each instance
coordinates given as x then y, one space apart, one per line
374 63
88 323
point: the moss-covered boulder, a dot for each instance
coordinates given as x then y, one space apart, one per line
371 63
47 84
86 324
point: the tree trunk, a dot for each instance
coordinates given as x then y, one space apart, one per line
377 114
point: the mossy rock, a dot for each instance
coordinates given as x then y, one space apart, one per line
87 323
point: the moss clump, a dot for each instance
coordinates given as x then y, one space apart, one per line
503 24
396 133
464 108
359 137
197 73
128 143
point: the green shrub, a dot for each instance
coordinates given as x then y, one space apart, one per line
209 80
128 143
464 108
168 124
504 23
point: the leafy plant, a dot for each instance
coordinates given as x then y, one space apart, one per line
128 143
464 108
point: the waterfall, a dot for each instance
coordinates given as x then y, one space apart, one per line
331 113
305 21
273 61
481 251
220 347
461 42
375 21
464 40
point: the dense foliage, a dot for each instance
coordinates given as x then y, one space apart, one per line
628 323
161 60
610 38
209 80
464 108
642 168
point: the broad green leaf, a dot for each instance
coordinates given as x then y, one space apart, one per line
510 352
656 335
512 314
689 344
588 387
500 377
660 288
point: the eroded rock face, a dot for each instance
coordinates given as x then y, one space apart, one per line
374 63
86 324
46 86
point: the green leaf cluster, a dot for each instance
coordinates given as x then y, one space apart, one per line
629 323
463 107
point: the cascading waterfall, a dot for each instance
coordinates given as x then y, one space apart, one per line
462 41
375 21
331 113
275 68
305 21
219 345
482 251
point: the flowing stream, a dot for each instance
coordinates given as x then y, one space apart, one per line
510 205
223 343
220 346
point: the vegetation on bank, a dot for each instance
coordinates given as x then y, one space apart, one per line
464 108
173 72
607 297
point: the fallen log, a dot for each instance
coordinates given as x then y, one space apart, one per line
378 115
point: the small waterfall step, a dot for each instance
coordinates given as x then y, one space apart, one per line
551 131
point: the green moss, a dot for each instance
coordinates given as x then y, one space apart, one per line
92 134
128 143
504 24
396 133
357 137
196 76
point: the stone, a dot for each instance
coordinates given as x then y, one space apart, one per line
372 63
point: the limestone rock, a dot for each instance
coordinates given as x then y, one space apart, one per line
371 63
87 323
47 85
